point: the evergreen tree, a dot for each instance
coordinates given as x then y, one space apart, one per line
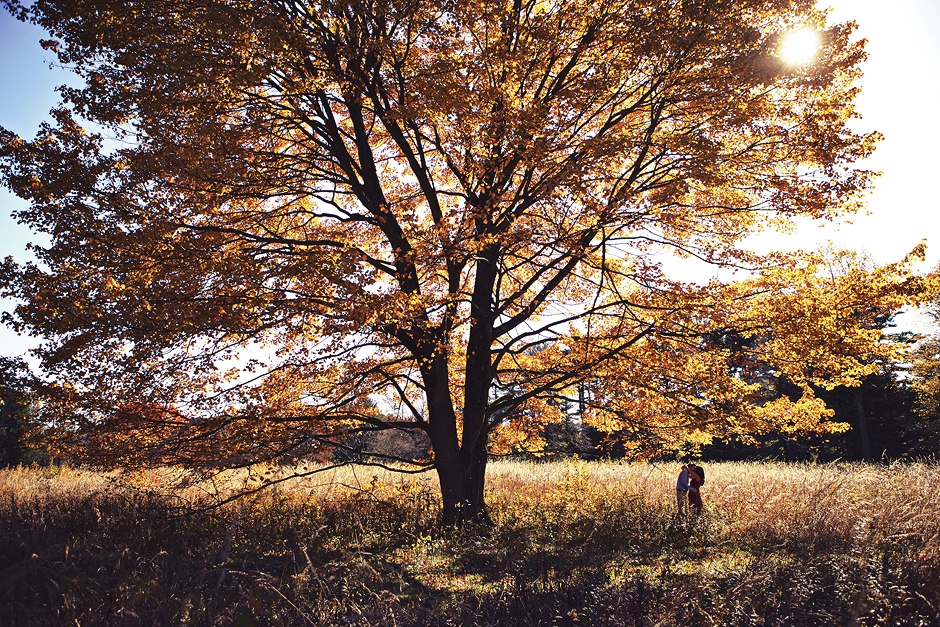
15 391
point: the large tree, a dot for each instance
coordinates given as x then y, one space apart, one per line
293 221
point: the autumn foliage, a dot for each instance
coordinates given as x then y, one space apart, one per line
297 221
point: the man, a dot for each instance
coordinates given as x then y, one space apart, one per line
682 491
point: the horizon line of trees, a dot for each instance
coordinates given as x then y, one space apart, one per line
894 414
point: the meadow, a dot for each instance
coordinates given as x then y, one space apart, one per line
573 543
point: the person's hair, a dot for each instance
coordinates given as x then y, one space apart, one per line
701 473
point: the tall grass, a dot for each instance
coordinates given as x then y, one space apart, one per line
573 543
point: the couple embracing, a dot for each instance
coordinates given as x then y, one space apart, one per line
688 489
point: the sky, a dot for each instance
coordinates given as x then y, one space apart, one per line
900 93
900 96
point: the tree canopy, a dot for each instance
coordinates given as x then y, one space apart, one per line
286 223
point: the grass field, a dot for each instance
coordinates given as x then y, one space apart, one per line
574 543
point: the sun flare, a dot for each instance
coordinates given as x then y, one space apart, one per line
799 46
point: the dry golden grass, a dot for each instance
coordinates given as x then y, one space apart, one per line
43 485
573 543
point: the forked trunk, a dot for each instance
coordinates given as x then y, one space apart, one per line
461 463
462 489
461 470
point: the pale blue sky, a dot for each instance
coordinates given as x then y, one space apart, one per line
901 94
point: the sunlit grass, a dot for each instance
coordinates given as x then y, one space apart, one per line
571 543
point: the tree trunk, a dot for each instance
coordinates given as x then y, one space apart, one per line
475 479
862 425
462 489
460 469
463 496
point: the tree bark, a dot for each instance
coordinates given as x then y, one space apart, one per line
461 467
862 425
474 476
462 483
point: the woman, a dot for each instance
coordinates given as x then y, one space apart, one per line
696 479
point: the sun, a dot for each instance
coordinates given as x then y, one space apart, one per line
799 46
